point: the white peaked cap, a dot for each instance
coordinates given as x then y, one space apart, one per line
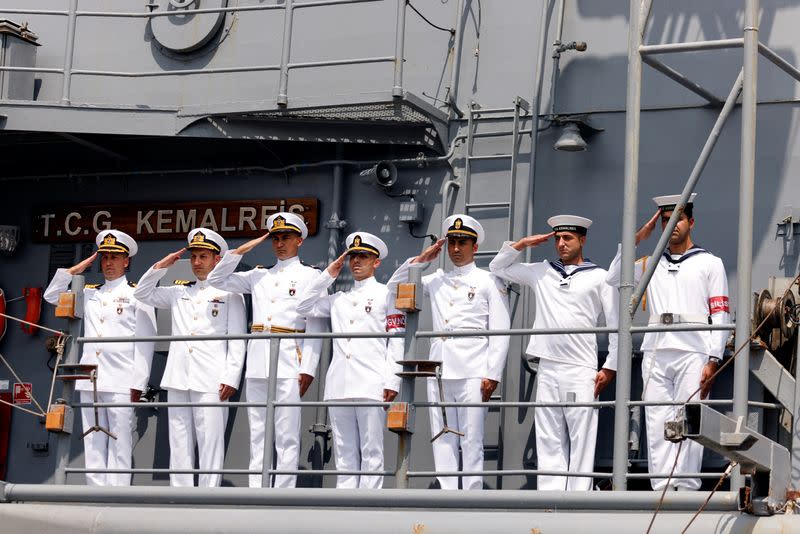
203 238
464 226
284 221
116 241
366 242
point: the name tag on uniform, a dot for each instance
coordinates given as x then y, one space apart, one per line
673 267
564 284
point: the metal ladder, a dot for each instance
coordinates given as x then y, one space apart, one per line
520 109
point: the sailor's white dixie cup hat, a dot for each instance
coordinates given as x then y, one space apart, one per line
569 223
205 239
116 241
668 202
460 225
283 221
366 242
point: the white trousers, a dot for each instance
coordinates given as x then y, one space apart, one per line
101 451
203 426
565 437
287 430
467 420
358 443
671 375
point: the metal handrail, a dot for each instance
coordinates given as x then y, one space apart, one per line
284 67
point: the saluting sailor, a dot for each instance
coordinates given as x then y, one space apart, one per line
203 371
463 298
276 292
570 292
111 310
361 369
689 286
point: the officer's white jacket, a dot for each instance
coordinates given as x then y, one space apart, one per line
111 310
574 300
198 310
693 283
465 298
361 368
276 292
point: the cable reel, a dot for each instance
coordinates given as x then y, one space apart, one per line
780 317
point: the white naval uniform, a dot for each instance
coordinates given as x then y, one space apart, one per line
276 292
360 370
566 297
194 371
111 310
464 298
693 284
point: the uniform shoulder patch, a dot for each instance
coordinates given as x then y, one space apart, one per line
184 282
264 266
309 265
132 284
93 286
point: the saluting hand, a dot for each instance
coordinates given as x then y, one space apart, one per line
250 245
336 265
82 266
648 227
169 260
532 241
430 253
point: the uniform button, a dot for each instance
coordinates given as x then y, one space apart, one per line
451 303
348 356
99 335
192 334
105 303
280 270
273 300
269 318
348 340
446 321
195 317
355 304
190 349
102 320
97 353
351 321
276 284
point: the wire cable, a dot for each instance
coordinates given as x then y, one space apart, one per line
433 237
24 386
451 31
722 478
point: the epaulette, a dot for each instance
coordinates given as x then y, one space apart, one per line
93 286
184 282
132 284
309 265
264 266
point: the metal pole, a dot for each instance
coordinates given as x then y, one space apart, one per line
335 226
744 259
272 389
699 166
69 52
795 475
625 343
288 15
407 387
68 388
399 46
455 71
556 55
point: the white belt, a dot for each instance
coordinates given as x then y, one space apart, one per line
678 318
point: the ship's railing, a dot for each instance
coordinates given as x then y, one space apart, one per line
401 471
68 70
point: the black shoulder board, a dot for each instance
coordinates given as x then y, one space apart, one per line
132 284
309 265
264 267
184 282
93 286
